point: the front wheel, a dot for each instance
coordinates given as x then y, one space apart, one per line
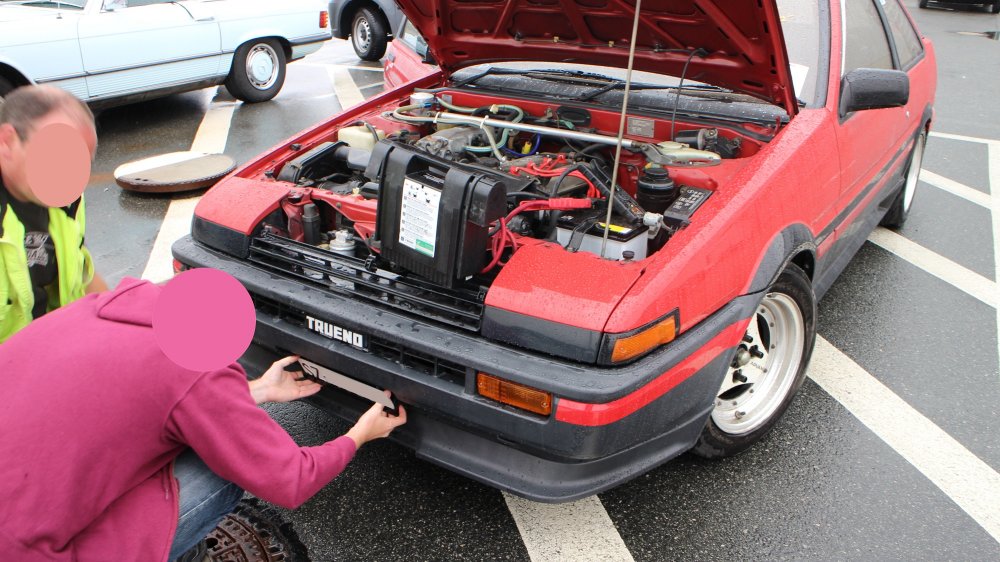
369 35
767 369
258 71
895 217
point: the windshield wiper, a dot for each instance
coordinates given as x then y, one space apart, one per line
558 74
586 79
58 4
620 85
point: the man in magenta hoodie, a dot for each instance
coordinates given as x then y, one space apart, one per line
95 417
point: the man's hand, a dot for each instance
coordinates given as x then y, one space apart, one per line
96 285
375 424
279 385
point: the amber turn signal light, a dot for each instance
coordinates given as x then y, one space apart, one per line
639 343
513 394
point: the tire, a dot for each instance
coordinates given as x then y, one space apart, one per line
923 3
258 71
895 217
995 9
369 34
767 369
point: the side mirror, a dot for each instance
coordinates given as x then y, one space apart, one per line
114 5
872 88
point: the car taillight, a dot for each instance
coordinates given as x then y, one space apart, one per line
179 267
324 20
513 394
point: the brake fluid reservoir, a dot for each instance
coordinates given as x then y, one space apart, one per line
360 136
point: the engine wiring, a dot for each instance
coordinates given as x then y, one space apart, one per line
504 238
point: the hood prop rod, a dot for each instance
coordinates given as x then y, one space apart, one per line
621 126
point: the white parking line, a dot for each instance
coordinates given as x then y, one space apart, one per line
964 138
348 93
937 265
961 475
955 188
347 66
211 138
578 531
993 167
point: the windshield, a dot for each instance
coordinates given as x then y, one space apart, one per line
807 49
651 94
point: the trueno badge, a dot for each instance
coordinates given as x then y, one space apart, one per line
335 332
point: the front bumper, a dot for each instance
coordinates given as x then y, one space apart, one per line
540 458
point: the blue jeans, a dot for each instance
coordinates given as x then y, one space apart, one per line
204 500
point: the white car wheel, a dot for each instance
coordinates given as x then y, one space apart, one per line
258 71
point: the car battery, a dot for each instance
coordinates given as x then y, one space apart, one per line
584 232
434 216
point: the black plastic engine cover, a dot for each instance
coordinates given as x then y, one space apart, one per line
434 216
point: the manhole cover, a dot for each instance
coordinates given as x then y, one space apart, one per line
255 532
173 172
994 35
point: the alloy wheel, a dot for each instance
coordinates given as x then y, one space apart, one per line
764 367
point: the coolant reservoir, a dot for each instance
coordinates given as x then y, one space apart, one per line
359 136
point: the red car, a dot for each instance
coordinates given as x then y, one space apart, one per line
561 309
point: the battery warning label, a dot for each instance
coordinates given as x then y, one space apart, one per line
418 217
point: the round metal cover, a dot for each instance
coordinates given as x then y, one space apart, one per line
173 172
255 532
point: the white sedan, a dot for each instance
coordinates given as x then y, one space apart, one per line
116 51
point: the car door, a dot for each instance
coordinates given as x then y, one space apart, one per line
868 141
41 43
137 45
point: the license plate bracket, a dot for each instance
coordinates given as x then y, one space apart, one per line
354 386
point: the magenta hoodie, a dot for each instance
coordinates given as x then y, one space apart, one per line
93 415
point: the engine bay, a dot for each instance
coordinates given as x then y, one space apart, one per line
448 192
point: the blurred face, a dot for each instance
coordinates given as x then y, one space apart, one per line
57 150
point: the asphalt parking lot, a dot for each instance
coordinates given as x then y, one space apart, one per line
890 451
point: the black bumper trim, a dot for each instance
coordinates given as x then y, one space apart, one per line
576 381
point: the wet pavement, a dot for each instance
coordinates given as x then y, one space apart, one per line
821 486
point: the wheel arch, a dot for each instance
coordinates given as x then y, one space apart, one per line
349 11
286 46
793 245
13 75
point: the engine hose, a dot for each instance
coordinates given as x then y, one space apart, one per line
505 134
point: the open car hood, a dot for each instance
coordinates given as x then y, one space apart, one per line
742 39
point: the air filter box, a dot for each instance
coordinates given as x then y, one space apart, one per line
434 215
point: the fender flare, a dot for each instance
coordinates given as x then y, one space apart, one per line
785 247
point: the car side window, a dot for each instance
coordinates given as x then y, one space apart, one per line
800 26
866 45
413 39
908 46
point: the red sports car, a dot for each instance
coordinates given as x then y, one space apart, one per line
569 272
